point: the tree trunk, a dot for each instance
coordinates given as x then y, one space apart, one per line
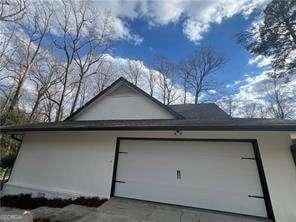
58 113
151 92
36 104
76 95
185 95
151 88
61 102
196 97
16 95
5 104
230 109
15 98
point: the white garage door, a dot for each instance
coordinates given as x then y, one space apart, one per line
212 175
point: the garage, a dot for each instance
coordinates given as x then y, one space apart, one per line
219 175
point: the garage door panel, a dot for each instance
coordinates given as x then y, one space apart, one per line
167 178
201 188
197 197
238 148
213 174
247 183
129 170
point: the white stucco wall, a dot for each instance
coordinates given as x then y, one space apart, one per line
82 164
123 103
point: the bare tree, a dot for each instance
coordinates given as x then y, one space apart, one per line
249 110
169 76
28 48
133 71
43 77
152 80
200 69
6 51
93 50
83 45
280 102
185 74
106 74
68 46
47 110
51 102
5 95
12 10
228 104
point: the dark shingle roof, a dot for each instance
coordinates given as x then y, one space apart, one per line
202 111
238 124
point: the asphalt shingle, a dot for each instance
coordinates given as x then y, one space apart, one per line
200 111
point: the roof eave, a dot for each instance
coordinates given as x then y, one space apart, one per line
155 128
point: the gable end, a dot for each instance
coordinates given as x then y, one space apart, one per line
123 93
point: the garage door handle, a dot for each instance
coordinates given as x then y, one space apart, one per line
247 158
178 174
255 196
119 181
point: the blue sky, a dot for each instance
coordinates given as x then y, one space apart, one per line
170 41
176 28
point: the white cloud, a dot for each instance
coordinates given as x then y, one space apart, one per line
199 15
196 16
212 91
255 89
231 85
117 12
252 88
121 31
164 12
194 30
260 61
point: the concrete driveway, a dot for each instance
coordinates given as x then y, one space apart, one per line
127 210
